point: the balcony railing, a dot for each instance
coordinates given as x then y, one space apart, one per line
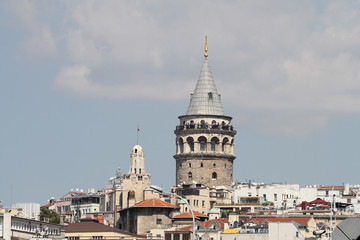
205 126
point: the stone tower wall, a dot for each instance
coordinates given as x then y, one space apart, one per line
202 171
204 150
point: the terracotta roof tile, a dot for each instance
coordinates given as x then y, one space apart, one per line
186 228
331 187
220 222
189 215
258 221
154 203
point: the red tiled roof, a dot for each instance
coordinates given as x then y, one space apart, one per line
258 221
187 228
331 187
48 205
154 203
220 222
94 227
76 193
189 215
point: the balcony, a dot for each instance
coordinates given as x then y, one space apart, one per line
206 128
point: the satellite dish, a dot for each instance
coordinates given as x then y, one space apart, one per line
319 232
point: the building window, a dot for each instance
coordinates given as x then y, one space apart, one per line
214 176
190 141
214 165
202 145
159 221
190 176
189 165
201 165
97 237
275 197
181 144
176 236
167 236
139 170
212 146
185 236
203 203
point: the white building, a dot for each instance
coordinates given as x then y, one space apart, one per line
31 210
283 196
22 228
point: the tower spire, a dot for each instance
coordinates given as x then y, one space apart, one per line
206 48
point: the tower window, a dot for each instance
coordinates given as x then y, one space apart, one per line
181 145
202 141
201 165
214 165
135 170
210 95
190 176
189 165
135 150
212 146
202 145
191 144
190 141
214 176
139 170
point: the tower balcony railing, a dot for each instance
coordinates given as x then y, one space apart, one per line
225 127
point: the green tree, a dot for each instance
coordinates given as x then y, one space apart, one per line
49 215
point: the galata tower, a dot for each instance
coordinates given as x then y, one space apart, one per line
205 137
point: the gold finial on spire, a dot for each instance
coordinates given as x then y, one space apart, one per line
206 48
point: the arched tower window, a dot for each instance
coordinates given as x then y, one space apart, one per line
225 141
201 165
181 145
202 141
190 141
214 165
135 150
214 176
190 176
214 144
189 165
139 170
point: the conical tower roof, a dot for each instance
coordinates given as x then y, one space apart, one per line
205 100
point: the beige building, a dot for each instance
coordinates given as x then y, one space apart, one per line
200 197
205 137
141 217
135 181
92 230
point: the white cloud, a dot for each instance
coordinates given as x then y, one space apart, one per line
40 41
76 80
294 64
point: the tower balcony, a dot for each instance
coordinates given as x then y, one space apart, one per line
206 128
204 155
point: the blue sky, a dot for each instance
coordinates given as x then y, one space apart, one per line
78 76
